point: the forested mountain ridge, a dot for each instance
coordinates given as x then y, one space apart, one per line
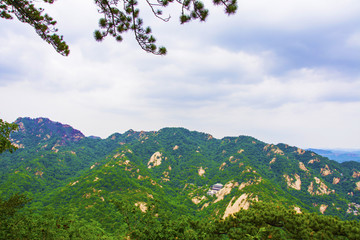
169 172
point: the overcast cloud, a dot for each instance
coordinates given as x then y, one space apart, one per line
279 70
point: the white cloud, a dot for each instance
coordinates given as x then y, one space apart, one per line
296 15
353 40
201 84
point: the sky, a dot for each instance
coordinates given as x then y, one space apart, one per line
282 71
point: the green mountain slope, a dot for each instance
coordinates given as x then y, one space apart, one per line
170 173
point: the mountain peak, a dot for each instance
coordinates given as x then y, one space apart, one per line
44 129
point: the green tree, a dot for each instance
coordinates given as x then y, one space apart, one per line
270 220
5 130
8 210
44 25
118 17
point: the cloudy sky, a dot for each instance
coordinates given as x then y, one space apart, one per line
281 71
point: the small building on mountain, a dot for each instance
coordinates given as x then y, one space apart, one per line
215 189
217 186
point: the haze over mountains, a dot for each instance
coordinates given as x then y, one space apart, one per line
173 169
339 155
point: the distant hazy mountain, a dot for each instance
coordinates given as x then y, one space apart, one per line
339 155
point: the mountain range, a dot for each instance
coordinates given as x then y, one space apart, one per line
338 155
178 171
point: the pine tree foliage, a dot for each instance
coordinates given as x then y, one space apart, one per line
27 12
118 17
